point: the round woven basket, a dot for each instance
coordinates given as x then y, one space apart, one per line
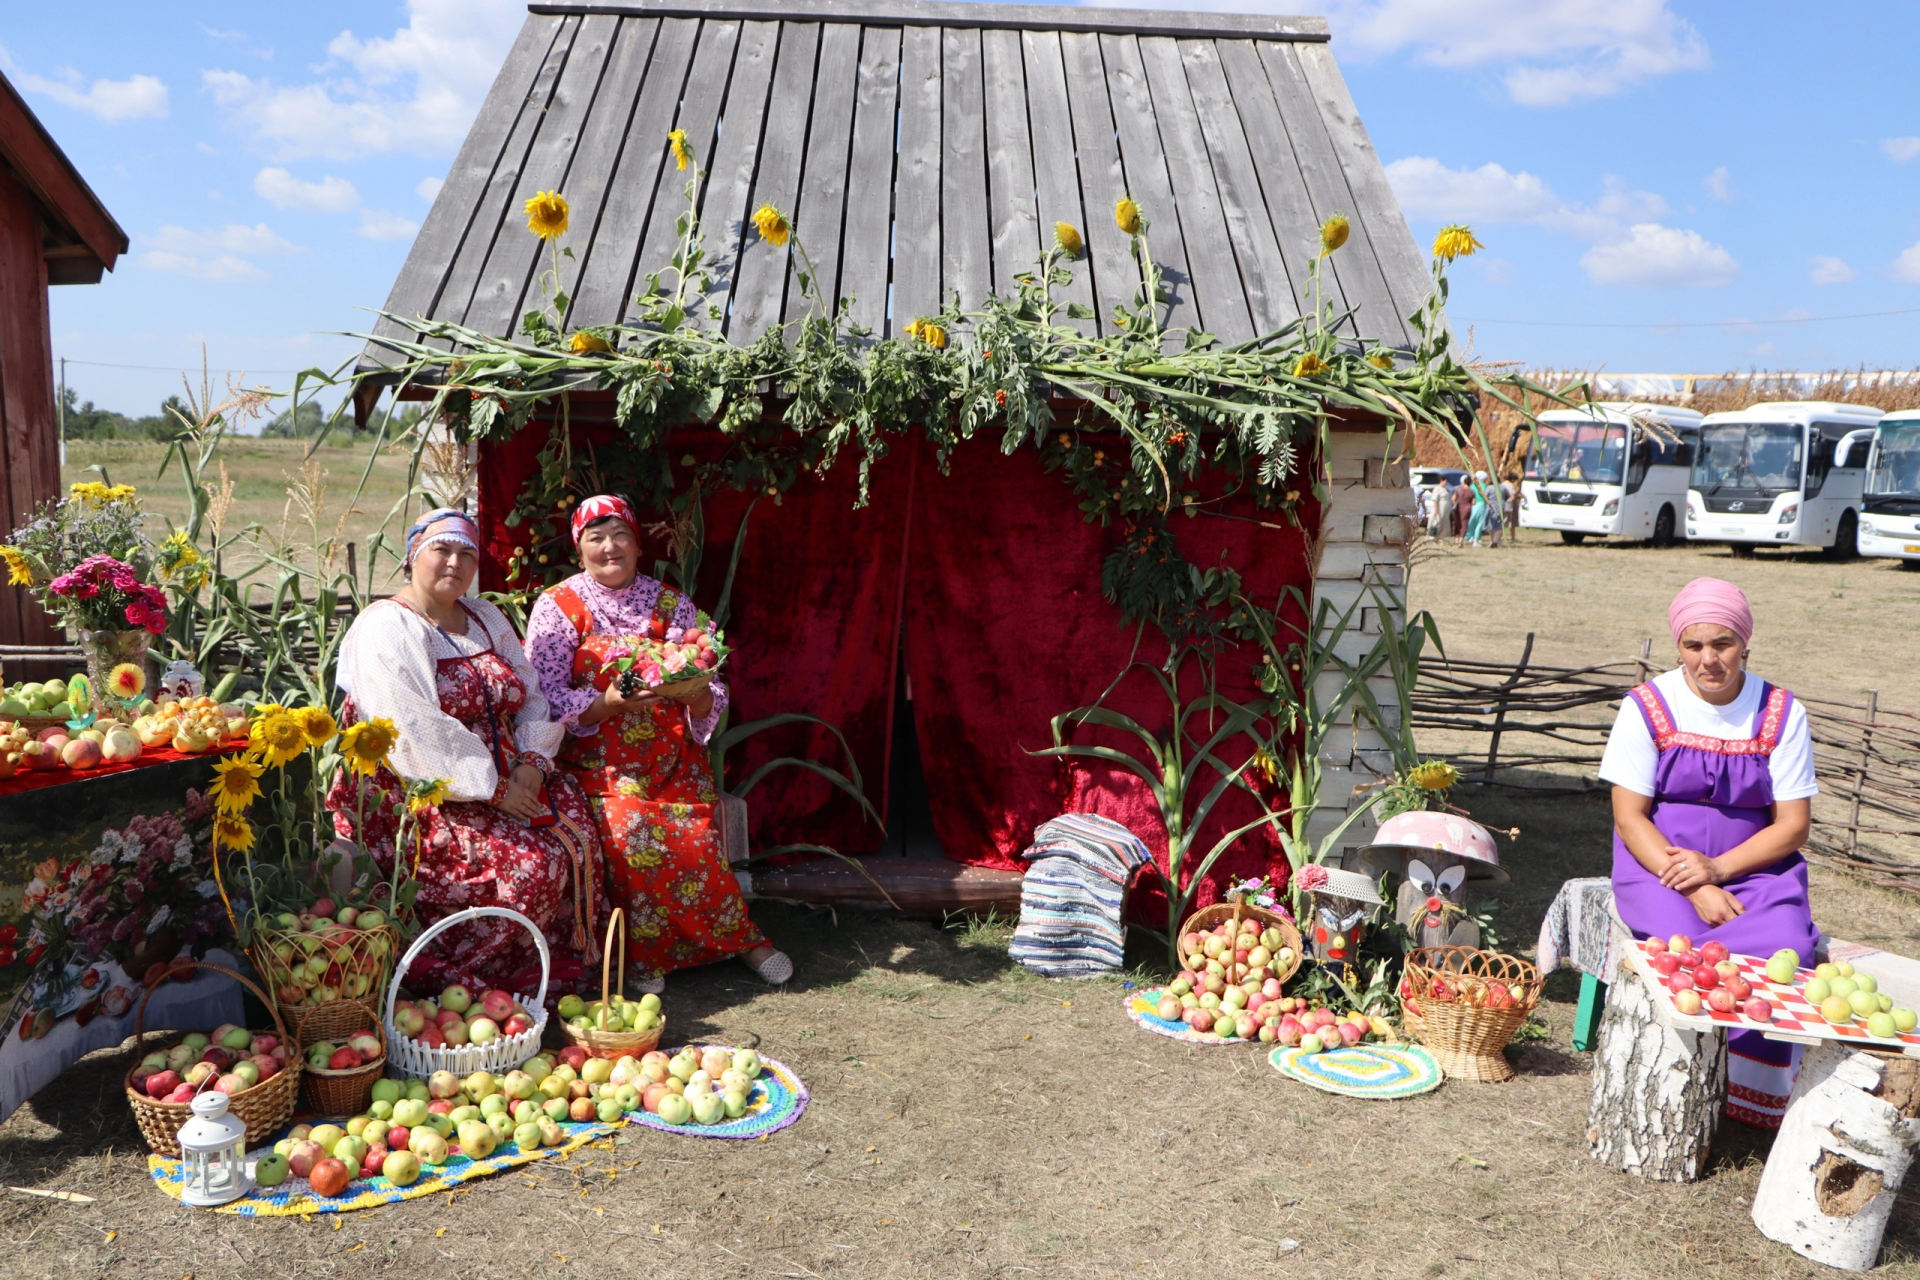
1451 989
346 1092
1208 917
615 1044
411 1059
355 954
263 1109
681 688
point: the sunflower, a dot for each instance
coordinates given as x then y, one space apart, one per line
587 340
236 783
425 793
277 736
1308 365
318 724
681 151
772 225
231 831
1067 236
547 215
1126 216
929 332
1455 241
1434 775
365 745
19 572
127 681
1381 360
1333 233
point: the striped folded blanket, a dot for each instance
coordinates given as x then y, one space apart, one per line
1073 894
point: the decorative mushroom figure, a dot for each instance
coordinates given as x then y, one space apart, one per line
1436 854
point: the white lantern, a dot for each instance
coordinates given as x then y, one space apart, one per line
213 1153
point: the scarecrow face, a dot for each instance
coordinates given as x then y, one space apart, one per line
1434 894
1336 926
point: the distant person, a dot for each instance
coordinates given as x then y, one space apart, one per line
1510 496
1496 513
1477 512
1439 509
1462 508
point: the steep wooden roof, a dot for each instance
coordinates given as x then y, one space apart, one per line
81 238
922 148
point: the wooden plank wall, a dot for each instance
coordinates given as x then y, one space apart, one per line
918 163
29 444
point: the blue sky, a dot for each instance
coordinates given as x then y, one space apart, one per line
1663 186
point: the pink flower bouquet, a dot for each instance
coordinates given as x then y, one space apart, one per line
104 594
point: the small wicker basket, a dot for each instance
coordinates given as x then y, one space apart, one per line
615 1044
263 1109
1208 917
357 954
1456 1012
348 1091
413 1060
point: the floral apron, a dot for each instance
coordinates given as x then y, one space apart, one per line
469 854
651 787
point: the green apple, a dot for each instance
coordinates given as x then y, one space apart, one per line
430 1146
708 1108
502 1125
555 1109
675 1109
477 1139
609 1110
388 1091
628 1097
1817 990
526 1111
401 1168
460 1115
1864 1003
270 1170
539 1067
1838 1010
440 1124
735 1102
376 1131
380 1109
1866 982
327 1135
1882 1025
410 1113
480 1084
284 1146
1842 986
747 1063
526 1136
495 1104
1905 1019
572 1007
418 1089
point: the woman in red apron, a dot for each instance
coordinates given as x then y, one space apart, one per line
642 757
510 832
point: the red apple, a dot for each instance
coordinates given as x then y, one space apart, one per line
376 1156
1713 952
329 1177
345 1059
497 1004
1665 963
1725 968
1681 981
1706 979
430 1036
162 1083
574 1056
1757 1010
1687 1002
1690 959
1200 1020
305 1154
397 1136
1656 945
517 1024
440 1107
1738 987
1721 1000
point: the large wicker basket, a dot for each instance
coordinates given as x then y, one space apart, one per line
1457 1012
412 1059
348 1091
1208 917
263 1109
362 960
615 1044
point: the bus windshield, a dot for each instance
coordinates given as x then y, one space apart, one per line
1896 461
1755 457
1594 452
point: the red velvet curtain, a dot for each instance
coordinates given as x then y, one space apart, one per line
991 578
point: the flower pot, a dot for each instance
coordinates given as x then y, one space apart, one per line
106 650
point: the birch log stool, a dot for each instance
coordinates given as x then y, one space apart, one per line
1658 1089
1843 1150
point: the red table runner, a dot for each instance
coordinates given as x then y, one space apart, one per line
28 780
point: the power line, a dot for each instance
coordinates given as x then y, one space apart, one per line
168 368
1684 324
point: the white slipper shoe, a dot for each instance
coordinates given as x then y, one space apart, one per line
776 970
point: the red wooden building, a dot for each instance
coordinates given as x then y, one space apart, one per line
53 230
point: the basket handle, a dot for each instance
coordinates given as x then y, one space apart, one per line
173 966
440 926
616 926
300 1029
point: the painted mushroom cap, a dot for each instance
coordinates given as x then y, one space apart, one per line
1422 833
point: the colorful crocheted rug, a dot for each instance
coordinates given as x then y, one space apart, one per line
1140 1007
295 1197
1362 1070
776 1101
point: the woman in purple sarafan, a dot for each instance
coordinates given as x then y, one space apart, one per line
1712 773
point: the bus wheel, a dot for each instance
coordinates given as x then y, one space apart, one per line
1846 542
1663 528
1740 550
1911 566
1571 538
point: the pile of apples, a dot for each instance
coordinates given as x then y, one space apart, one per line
616 1014
192 725
319 955
228 1061
1844 996
358 1051
1231 985
455 1018
1706 977
704 1087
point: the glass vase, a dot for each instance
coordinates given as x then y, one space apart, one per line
106 650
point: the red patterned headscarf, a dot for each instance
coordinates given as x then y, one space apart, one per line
599 507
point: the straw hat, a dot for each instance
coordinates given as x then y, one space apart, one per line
1335 883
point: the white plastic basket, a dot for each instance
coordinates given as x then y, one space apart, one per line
409 1058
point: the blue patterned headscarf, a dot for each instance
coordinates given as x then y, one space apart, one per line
444 524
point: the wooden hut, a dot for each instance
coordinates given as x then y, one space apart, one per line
53 230
926 151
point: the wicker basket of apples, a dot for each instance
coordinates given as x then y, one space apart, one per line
1238 957
458 1032
613 1026
339 1077
1468 1004
250 1067
327 954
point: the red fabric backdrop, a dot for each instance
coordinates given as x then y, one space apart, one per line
991 578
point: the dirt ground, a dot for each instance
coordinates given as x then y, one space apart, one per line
969 1119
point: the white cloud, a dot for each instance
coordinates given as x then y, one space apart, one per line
428 189
415 91
1901 149
1548 53
1719 185
1906 267
284 191
135 98
1830 271
378 224
1657 257
215 254
223 267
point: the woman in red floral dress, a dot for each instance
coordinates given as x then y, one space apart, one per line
642 757
510 831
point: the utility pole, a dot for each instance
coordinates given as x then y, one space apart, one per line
62 411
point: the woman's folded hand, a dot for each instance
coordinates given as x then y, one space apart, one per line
1689 869
1715 905
522 796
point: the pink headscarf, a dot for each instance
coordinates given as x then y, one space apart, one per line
1711 600
598 508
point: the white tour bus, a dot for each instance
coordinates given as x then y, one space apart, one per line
1890 508
1617 469
1782 474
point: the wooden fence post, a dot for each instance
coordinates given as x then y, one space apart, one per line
1860 779
1500 710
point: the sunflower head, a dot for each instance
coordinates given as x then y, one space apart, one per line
318 724
772 225
586 340
1126 216
1333 233
231 831
277 736
425 793
1308 365
929 332
236 783
682 150
1067 236
127 681
19 571
1455 241
1381 360
1434 775
365 745
547 215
